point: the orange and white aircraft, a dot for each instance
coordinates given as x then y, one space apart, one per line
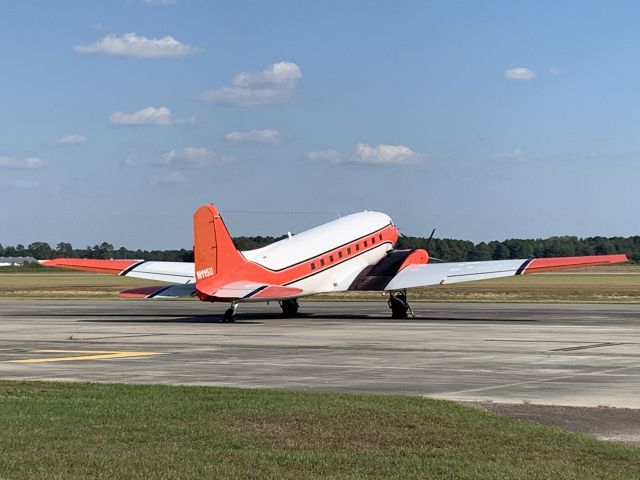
354 252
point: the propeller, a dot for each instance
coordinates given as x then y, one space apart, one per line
435 259
430 238
427 246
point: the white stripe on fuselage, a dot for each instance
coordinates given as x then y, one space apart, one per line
316 241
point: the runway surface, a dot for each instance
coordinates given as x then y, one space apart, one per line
518 354
580 355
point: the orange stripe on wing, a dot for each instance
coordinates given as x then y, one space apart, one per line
538 265
112 267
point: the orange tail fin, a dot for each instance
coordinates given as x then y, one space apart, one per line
214 251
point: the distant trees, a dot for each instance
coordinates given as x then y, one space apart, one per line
457 250
447 249
64 250
39 250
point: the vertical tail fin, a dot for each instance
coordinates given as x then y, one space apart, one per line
214 251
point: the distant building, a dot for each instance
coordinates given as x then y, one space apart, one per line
16 261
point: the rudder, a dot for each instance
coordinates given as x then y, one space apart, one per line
213 249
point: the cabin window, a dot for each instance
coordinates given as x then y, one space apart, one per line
373 240
365 244
322 262
348 250
380 236
313 266
331 258
340 254
357 247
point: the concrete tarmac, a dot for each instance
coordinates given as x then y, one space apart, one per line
546 354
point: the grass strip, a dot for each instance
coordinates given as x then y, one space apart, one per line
603 286
82 430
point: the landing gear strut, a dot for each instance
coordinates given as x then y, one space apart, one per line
399 305
289 307
230 314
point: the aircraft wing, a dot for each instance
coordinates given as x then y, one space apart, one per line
170 272
445 273
242 290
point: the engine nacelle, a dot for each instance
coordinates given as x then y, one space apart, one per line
416 257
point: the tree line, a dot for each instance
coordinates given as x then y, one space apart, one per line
451 250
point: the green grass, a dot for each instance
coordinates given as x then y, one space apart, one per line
615 284
555 287
63 284
69 431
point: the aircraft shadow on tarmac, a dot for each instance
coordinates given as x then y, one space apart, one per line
258 318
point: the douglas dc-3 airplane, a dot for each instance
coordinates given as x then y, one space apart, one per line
354 252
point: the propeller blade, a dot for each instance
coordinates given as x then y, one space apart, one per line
430 237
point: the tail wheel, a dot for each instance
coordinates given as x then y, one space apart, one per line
230 314
289 307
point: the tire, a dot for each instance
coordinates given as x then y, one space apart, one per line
229 316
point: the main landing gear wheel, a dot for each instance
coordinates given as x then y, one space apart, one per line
289 307
399 305
230 314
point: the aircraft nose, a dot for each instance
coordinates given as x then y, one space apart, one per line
396 233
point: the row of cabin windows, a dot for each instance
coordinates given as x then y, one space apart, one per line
348 250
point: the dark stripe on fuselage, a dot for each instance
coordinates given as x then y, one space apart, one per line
335 264
326 252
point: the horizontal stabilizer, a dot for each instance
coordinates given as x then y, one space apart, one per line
249 290
160 291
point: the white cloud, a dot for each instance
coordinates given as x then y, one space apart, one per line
329 156
519 73
172 178
385 154
134 45
515 155
28 162
367 154
159 3
131 160
192 157
146 116
71 140
274 84
265 137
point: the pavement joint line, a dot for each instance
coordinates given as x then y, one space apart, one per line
544 380
585 347
86 355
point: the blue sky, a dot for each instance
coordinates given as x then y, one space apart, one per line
485 120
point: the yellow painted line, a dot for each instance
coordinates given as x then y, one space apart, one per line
86 355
